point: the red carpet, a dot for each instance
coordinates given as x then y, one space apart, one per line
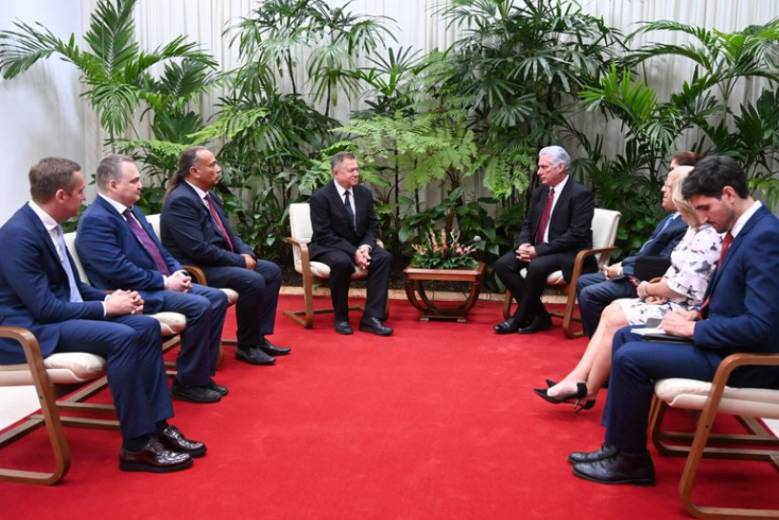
436 422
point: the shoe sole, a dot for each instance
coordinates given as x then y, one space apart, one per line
178 397
132 466
373 331
260 363
344 332
275 353
649 481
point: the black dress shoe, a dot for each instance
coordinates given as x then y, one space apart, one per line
343 327
274 350
539 323
218 388
153 458
171 438
576 457
619 468
194 394
254 356
509 326
375 326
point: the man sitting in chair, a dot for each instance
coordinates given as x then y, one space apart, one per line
345 230
119 250
40 290
740 313
557 226
196 231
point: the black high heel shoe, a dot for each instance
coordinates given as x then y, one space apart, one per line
573 397
550 382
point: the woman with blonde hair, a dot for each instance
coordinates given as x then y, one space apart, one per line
682 287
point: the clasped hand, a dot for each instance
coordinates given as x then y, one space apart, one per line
179 281
526 252
362 257
121 302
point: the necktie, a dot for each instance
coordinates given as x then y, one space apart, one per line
349 210
75 295
545 217
147 242
724 251
218 222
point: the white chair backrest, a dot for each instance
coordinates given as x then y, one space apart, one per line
154 220
605 223
70 241
300 228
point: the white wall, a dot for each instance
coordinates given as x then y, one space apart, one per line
41 109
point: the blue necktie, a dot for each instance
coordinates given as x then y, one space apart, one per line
62 249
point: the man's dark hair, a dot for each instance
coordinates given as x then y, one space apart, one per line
110 168
686 158
51 174
710 176
338 158
186 161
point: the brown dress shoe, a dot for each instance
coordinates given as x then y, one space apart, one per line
153 458
172 439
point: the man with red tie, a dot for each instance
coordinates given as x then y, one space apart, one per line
196 231
119 250
557 226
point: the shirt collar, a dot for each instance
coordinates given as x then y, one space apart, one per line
742 220
48 221
560 185
341 190
200 193
118 206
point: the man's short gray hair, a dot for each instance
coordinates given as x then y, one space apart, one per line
557 154
110 168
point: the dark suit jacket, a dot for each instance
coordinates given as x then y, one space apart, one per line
191 235
570 226
332 225
660 244
114 258
744 306
34 290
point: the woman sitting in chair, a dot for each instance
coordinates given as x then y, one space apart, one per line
682 287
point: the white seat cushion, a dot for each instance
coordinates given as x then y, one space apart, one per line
321 270
232 295
171 323
691 394
62 368
555 278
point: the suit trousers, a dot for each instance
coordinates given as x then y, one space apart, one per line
636 366
527 290
132 347
204 308
341 270
258 297
594 292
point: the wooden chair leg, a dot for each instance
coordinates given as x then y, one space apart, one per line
507 305
568 317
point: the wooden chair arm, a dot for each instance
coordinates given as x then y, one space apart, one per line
32 353
20 334
733 361
305 256
196 273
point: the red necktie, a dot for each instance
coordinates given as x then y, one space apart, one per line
724 251
218 222
147 242
545 217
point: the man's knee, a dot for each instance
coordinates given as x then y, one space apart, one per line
505 264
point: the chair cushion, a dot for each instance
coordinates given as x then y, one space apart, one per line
692 394
171 323
321 270
232 295
62 368
555 278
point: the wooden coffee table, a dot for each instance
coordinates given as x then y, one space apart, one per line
415 283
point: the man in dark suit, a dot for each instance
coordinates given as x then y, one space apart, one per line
596 290
40 290
345 232
196 231
740 314
119 250
557 226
